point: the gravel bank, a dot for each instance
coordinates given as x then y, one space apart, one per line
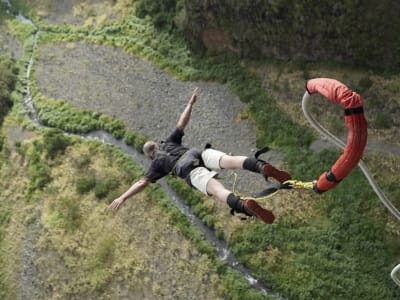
9 45
147 99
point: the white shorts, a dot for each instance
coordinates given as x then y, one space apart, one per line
211 158
199 177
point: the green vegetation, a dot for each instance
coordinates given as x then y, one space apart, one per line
162 13
39 171
85 184
54 143
96 251
332 246
8 78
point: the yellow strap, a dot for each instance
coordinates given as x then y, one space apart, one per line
297 184
259 198
292 184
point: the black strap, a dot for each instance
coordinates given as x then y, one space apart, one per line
353 111
331 177
261 151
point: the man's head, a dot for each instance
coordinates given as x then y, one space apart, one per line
150 148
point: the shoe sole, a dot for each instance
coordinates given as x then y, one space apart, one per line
263 214
278 175
281 176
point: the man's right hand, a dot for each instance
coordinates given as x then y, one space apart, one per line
115 205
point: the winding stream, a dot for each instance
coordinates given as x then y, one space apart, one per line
220 245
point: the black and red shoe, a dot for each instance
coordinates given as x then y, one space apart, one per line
252 208
270 171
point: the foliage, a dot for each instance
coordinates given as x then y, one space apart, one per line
55 142
21 30
3 9
38 170
61 115
104 251
105 186
5 218
65 213
133 139
113 126
238 289
8 78
161 12
83 161
85 184
311 254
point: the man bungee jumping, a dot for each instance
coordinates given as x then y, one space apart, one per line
199 169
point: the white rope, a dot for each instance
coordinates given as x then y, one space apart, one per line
393 274
314 123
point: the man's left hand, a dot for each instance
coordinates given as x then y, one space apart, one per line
194 96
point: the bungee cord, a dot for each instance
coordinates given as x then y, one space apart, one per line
336 141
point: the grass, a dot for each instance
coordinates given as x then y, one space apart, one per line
81 241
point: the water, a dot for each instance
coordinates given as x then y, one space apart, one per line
24 20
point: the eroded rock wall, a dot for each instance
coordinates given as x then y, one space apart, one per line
354 32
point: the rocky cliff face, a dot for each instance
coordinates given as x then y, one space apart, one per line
351 32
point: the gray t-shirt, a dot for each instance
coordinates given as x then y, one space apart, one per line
173 156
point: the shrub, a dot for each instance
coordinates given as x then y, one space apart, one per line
115 127
129 138
105 251
85 184
162 12
66 214
39 172
55 142
83 161
104 187
8 78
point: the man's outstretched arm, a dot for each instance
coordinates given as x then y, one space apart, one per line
137 187
185 116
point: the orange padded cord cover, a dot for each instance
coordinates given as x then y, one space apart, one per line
356 123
